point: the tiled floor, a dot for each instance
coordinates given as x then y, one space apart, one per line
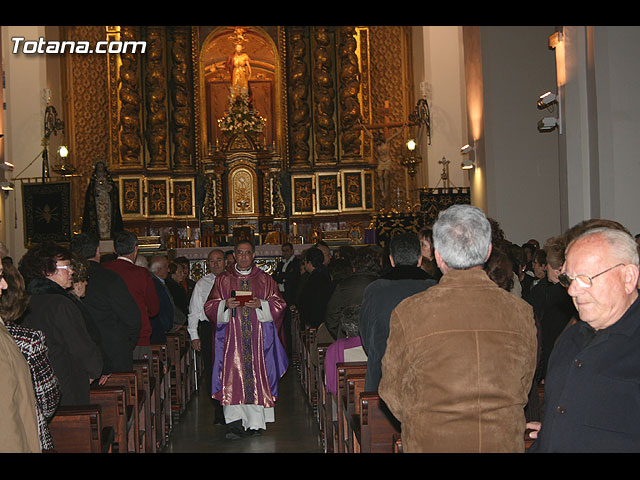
294 431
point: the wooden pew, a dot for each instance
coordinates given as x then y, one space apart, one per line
379 429
147 385
79 429
134 408
163 398
177 371
321 390
343 371
113 413
354 385
310 384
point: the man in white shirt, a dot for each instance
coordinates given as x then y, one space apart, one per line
198 324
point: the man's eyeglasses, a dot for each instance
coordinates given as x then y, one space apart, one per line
64 267
584 281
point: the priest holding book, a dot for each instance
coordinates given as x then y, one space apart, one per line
247 310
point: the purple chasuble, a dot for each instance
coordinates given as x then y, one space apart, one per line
249 358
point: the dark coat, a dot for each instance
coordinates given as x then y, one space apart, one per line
379 299
313 298
74 357
290 278
347 292
553 308
591 389
163 321
115 314
142 289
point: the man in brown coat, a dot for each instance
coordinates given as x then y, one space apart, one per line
461 355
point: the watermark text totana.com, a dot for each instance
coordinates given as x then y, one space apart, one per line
42 46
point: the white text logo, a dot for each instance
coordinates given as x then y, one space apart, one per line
40 46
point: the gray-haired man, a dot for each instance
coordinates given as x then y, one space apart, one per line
461 355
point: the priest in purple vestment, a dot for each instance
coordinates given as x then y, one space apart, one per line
247 310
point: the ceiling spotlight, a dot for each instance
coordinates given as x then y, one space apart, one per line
546 99
466 149
547 124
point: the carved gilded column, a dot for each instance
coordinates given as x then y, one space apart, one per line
300 120
181 122
350 136
156 98
323 94
130 108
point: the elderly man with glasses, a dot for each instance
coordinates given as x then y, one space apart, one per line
592 391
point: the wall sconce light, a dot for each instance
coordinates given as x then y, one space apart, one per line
546 99
6 166
547 124
554 39
411 160
469 162
52 125
6 185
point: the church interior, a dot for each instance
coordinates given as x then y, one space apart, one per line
195 137
344 134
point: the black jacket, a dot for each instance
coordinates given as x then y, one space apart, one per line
379 299
116 314
313 297
74 357
553 308
290 278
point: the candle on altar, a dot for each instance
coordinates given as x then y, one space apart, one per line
188 232
295 229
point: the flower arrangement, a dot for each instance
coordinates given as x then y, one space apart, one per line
241 117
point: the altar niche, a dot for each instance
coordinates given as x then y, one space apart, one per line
239 63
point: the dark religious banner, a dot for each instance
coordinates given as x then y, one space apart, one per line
47 212
433 200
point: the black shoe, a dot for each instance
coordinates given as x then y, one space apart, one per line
255 433
235 430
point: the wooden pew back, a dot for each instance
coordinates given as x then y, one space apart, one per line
78 429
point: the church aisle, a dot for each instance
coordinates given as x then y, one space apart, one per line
294 431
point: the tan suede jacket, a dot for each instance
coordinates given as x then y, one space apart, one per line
458 366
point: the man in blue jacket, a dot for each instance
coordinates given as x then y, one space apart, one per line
592 387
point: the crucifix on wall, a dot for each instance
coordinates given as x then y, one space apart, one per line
382 143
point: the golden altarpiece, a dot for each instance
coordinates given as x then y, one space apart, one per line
294 158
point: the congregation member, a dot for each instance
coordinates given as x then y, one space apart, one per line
164 321
287 276
79 280
187 283
18 421
428 263
113 309
75 358
198 325
591 394
349 291
249 358
140 285
346 349
177 275
405 278
315 291
13 304
551 303
461 355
